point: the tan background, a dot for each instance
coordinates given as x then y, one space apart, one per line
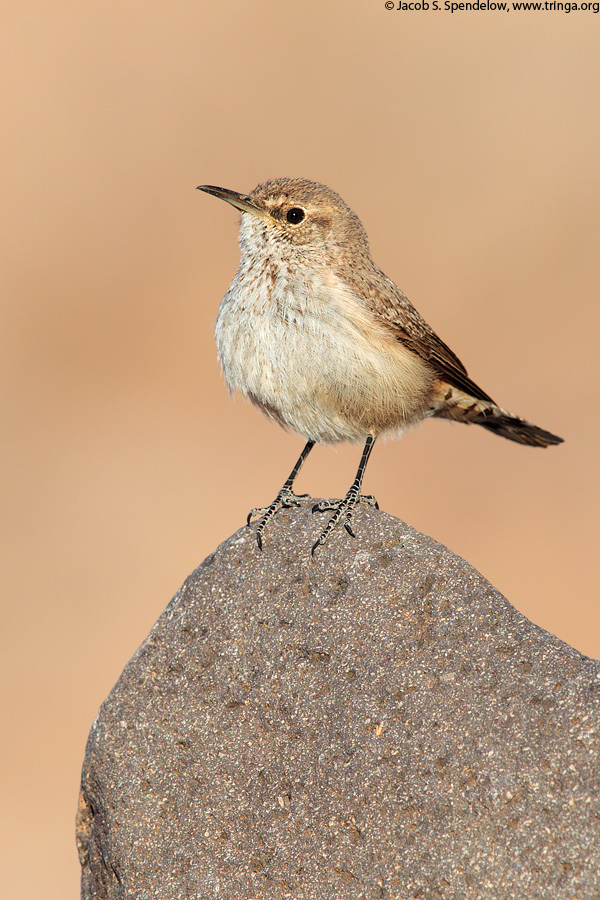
469 146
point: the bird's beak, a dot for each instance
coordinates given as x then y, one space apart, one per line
240 201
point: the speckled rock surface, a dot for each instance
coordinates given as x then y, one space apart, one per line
374 722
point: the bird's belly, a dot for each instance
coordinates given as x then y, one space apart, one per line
316 370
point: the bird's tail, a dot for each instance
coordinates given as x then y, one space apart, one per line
498 421
456 404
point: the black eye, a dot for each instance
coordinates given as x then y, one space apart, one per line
295 215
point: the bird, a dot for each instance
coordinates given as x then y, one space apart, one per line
317 337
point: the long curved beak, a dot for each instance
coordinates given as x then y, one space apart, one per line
240 201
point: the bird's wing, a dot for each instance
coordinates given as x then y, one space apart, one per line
393 309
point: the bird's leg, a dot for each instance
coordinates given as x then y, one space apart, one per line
284 499
345 508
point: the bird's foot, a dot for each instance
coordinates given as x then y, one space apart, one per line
285 499
344 510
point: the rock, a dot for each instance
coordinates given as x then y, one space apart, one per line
376 721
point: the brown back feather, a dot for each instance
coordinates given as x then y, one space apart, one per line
394 310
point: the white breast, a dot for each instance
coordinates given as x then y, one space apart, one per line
311 356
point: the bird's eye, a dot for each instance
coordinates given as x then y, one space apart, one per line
295 215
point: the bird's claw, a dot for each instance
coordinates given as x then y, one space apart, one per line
285 499
344 509
324 505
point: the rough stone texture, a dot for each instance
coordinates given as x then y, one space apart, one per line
376 722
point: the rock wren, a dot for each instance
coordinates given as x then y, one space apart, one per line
317 337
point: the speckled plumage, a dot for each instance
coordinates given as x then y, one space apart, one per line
317 337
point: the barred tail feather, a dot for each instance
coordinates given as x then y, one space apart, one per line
478 408
512 427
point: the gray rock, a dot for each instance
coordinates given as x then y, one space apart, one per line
374 722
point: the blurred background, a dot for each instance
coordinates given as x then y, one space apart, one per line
469 146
